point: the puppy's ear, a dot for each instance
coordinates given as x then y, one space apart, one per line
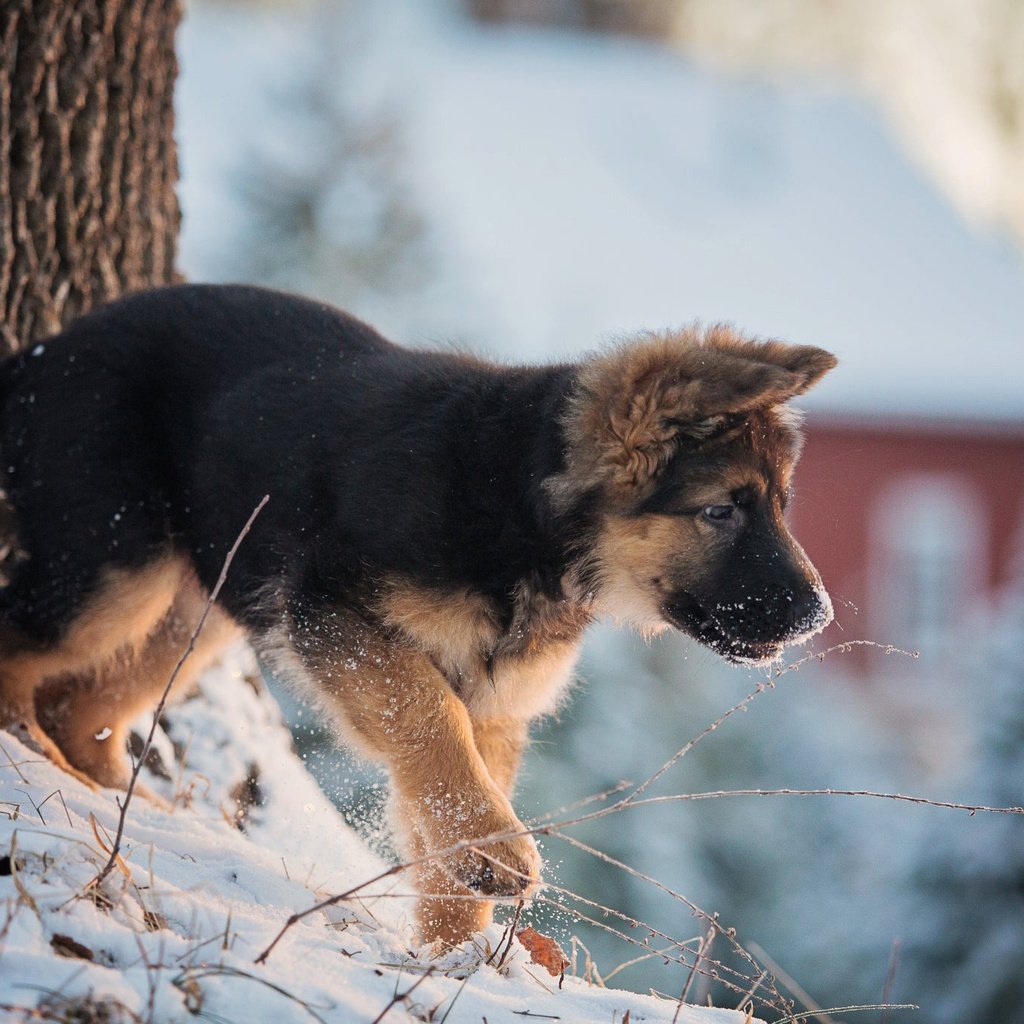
806 363
632 405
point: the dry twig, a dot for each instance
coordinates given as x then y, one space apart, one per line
141 759
401 997
792 1018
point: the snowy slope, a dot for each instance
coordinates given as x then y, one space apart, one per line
180 935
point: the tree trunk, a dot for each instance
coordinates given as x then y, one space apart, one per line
88 164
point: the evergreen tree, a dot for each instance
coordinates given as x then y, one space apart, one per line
966 958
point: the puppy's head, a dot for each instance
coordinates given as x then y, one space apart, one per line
685 444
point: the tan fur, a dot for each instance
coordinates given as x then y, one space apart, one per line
111 664
446 912
524 687
404 712
88 714
500 692
123 611
631 553
456 630
500 743
522 680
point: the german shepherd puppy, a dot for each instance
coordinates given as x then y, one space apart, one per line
440 531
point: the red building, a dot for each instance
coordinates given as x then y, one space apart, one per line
914 523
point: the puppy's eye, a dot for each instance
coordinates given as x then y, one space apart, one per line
718 513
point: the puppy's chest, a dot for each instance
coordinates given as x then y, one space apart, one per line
520 672
521 686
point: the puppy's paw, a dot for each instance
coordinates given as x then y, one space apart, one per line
509 867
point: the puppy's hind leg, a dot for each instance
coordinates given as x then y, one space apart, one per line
19 679
121 610
88 714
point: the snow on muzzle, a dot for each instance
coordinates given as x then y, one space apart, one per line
756 627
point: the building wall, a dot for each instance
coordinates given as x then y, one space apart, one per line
912 524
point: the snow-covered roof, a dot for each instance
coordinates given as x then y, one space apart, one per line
579 187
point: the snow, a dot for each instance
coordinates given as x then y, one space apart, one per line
178 931
943 73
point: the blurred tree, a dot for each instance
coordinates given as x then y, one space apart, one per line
327 204
88 164
947 75
964 951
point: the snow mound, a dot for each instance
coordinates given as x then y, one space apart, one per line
206 886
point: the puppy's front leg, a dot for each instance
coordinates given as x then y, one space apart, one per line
501 742
400 709
452 915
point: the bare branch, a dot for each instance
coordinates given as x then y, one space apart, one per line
711 920
400 997
849 1009
972 809
141 759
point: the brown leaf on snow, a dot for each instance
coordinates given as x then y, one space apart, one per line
544 951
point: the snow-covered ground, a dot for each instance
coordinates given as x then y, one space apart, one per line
174 934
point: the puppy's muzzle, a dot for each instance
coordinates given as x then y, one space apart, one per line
755 627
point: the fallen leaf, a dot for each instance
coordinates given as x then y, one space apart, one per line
544 951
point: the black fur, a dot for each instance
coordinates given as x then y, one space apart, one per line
164 417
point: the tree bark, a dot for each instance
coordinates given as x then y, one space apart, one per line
88 164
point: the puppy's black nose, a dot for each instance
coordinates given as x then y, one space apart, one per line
805 611
783 612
